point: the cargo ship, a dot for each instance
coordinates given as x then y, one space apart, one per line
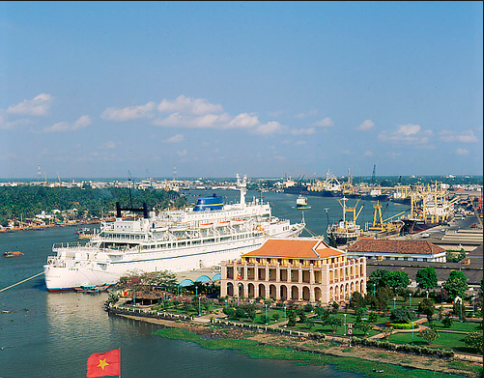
345 231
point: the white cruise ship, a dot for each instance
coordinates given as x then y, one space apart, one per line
177 240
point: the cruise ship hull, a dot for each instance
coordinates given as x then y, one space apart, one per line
106 268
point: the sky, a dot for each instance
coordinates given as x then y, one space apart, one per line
266 89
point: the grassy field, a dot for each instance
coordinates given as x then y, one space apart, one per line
459 326
450 341
254 349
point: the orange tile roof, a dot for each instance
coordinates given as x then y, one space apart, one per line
421 247
295 249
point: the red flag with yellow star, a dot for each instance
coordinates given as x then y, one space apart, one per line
104 364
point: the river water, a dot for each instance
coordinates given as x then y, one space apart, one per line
52 334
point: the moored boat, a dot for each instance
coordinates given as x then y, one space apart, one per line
175 240
345 231
302 203
12 254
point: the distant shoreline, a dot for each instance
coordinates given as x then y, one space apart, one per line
7 230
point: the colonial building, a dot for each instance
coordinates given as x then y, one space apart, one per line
403 250
301 269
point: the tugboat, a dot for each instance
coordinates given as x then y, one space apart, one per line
12 254
302 203
345 232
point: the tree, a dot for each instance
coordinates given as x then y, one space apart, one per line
335 306
373 317
361 313
400 315
474 340
456 285
426 278
365 326
302 316
334 322
447 321
427 307
379 277
398 280
429 335
291 322
357 300
323 313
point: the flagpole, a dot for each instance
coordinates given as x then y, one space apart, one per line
119 362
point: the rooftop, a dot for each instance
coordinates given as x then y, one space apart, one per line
300 248
421 247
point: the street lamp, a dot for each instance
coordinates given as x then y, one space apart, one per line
345 323
394 299
266 315
374 289
473 305
199 312
410 294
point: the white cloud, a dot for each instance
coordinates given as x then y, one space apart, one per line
39 106
464 137
269 128
462 151
244 120
195 113
81 123
409 134
182 153
16 124
129 113
408 130
215 121
178 138
368 153
187 105
366 125
325 122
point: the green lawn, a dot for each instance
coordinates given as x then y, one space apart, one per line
450 341
459 326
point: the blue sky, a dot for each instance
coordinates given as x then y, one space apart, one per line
258 88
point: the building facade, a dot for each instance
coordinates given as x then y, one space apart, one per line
302 270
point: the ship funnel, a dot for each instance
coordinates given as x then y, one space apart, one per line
118 210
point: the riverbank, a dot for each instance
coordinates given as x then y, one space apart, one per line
362 360
41 227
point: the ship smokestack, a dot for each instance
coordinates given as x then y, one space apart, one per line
118 210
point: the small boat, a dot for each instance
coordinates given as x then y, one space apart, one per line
85 233
302 202
12 254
